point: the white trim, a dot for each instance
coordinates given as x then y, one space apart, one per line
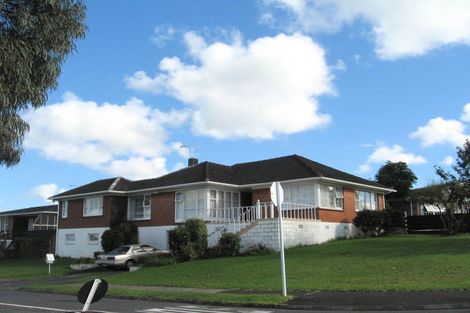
209 183
30 213
114 183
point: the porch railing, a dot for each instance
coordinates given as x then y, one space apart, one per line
237 218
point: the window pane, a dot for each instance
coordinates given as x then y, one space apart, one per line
236 199
228 199
324 194
220 199
331 197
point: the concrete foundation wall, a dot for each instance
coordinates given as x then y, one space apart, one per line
296 233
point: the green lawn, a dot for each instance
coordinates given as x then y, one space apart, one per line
408 262
34 268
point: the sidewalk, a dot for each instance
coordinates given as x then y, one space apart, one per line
381 301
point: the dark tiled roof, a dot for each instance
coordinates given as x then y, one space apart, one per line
98 185
32 210
277 169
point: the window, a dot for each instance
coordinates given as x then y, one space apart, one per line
139 208
303 194
93 238
191 203
331 197
5 224
366 200
93 206
64 209
69 239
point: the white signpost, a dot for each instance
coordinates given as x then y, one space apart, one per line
49 260
277 197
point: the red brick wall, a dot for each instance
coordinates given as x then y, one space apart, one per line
263 195
380 201
75 218
162 210
346 215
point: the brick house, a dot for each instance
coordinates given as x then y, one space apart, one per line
320 203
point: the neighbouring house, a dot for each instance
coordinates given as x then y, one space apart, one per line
34 221
419 198
320 203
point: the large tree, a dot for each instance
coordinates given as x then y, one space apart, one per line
35 38
398 176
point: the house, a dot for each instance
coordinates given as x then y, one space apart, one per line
26 222
320 203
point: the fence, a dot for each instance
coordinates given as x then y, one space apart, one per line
433 223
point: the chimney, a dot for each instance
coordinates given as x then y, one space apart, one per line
192 162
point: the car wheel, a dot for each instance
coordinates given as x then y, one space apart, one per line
129 263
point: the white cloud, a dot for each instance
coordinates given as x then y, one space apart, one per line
440 131
364 168
45 191
394 153
255 90
448 160
127 140
163 34
466 113
400 28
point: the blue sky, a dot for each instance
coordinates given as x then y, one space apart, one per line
350 84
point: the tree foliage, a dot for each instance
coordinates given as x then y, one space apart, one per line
35 38
452 195
398 176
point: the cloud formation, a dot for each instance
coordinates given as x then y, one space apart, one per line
399 28
441 131
257 90
395 153
125 140
45 191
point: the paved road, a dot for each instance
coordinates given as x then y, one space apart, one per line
31 302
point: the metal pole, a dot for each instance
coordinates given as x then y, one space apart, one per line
49 268
91 295
281 241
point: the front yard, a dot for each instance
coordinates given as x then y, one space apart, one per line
407 262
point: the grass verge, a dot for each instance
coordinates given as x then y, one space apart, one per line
218 298
33 268
406 262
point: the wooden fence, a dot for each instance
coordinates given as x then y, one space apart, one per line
433 223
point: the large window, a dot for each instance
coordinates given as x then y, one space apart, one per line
366 200
223 199
5 224
64 209
139 208
303 194
331 197
190 203
93 206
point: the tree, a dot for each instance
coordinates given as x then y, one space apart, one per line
35 38
401 178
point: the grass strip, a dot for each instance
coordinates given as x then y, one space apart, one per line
185 296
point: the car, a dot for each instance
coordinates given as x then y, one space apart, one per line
125 256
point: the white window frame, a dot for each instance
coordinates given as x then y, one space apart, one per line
370 199
69 239
64 209
100 208
146 208
292 196
93 242
338 193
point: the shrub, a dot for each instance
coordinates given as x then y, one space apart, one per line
122 234
157 260
229 244
259 249
197 235
189 240
394 218
370 221
30 246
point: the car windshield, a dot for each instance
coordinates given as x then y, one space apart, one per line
120 250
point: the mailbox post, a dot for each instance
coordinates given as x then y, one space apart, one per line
50 260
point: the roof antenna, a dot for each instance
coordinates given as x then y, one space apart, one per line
191 161
190 150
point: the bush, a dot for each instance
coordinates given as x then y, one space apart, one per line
259 249
229 244
157 260
197 235
189 240
31 246
370 221
122 234
394 218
